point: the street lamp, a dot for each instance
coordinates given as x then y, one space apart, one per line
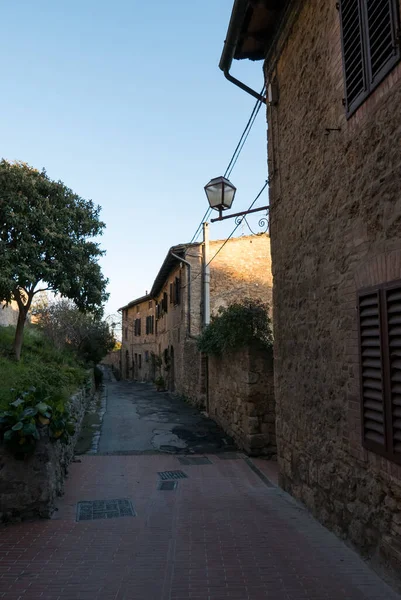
220 193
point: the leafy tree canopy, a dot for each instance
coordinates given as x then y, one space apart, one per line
46 242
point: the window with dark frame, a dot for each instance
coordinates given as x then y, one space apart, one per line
150 323
379 312
137 327
140 361
371 46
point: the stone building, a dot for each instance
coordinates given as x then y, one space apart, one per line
159 330
333 80
8 313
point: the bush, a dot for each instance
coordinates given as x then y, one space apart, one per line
98 375
237 326
55 372
68 327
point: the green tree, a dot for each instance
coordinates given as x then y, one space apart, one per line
65 325
46 243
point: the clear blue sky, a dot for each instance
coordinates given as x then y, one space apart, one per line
125 103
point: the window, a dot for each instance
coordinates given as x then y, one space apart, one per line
164 303
137 327
150 323
370 46
140 361
171 293
380 361
150 303
146 356
177 291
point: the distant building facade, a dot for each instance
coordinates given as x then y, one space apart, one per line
159 330
8 313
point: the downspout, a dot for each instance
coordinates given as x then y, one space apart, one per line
188 264
234 31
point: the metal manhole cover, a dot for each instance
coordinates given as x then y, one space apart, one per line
172 475
104 509
194 460
167 485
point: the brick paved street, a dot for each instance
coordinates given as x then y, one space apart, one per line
222 533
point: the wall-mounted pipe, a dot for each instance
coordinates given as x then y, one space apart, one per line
188 264
234 31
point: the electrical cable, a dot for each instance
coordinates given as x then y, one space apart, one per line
232 233
234 158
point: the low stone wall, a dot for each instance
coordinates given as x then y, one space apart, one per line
241 398
28 488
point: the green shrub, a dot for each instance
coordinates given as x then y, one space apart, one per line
24 416
56 373
237 326
98 376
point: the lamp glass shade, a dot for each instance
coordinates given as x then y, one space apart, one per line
220 193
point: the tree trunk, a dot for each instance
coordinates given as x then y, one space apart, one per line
19 332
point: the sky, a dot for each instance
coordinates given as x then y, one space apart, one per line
124 102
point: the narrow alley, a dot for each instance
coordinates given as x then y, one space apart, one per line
164 508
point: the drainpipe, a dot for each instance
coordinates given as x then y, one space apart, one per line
188 264
206 276
238 15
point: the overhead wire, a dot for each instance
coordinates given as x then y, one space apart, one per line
234 157
232 233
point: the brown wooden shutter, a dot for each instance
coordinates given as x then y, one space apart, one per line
382 43
393 305
372 384
353 51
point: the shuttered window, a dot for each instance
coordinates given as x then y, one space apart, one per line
370 45
393 307
380 360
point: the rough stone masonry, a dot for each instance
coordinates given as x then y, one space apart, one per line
335 199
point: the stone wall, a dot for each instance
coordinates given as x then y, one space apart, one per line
335 224
242 269
241 398
29 488
112 359
8 313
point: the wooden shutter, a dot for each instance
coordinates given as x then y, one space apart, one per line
353 51
382 43
393 305
372 384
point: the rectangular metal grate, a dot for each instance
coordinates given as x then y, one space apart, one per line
194 460
172 475
167 485
104 509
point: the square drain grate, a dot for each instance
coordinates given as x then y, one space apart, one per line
194 460
169 485
165 475
104 509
